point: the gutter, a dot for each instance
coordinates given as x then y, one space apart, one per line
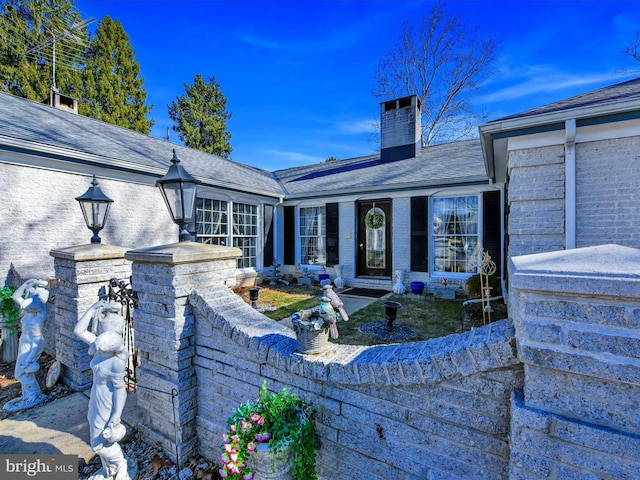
62 154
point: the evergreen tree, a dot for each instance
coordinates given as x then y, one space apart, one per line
112 86
29 32
201 117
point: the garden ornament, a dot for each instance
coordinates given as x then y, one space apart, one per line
101 328
31 297
336 302
329 314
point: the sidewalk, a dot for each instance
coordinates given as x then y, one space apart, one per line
59 427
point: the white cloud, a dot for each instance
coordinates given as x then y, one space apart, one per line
293 158
356 127
542 80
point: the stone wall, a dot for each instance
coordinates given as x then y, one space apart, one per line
435 409
577 317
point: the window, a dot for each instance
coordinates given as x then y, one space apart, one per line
245 233
212 224
313 235
455 234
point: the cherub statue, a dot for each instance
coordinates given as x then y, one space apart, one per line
31 297
101 327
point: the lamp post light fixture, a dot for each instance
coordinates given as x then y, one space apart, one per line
179 192
95 208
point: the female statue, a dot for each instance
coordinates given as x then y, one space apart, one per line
32 297
101 327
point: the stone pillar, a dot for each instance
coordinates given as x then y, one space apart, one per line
577 318
81 271
164 277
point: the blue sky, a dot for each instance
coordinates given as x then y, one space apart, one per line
298 75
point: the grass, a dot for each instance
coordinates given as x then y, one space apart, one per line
426 317
280 301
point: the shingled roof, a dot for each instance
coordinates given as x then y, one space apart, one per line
439 165
33 127
611 94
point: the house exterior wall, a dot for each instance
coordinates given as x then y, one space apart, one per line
608 192
41 214
607 189
536 200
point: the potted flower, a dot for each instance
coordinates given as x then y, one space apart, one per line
312 327
273 434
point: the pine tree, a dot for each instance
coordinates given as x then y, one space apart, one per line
201 117
113 88
29 32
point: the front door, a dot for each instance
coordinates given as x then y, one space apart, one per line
374 238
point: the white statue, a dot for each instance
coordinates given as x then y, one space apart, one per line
32 297
399 287
101 327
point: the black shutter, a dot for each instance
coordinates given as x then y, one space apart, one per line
267 245
420 234
491 221
332 234
289 236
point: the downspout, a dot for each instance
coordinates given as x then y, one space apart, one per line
276 228
570 184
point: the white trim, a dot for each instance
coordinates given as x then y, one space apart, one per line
570 184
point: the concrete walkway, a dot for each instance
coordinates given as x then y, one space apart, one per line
59 427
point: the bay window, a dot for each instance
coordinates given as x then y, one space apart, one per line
215 226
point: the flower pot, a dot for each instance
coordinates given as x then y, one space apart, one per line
272 466
324 279
312 341
417 287
9 345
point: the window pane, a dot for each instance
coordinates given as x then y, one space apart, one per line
313 235
455 234
245 233
211 221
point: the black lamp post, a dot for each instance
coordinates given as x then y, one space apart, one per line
95 208
179 192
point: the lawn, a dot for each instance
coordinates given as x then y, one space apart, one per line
418 318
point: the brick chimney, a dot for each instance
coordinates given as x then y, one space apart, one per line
400 128
62 102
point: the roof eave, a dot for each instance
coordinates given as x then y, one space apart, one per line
496 154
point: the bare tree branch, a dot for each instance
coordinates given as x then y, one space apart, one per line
440 62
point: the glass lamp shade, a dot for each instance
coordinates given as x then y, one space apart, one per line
179 191
95 208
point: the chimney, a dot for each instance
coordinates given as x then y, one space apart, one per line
400 130
62 102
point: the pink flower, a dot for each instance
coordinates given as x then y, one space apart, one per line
251 446
245 425
248 476
257 418
223 473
